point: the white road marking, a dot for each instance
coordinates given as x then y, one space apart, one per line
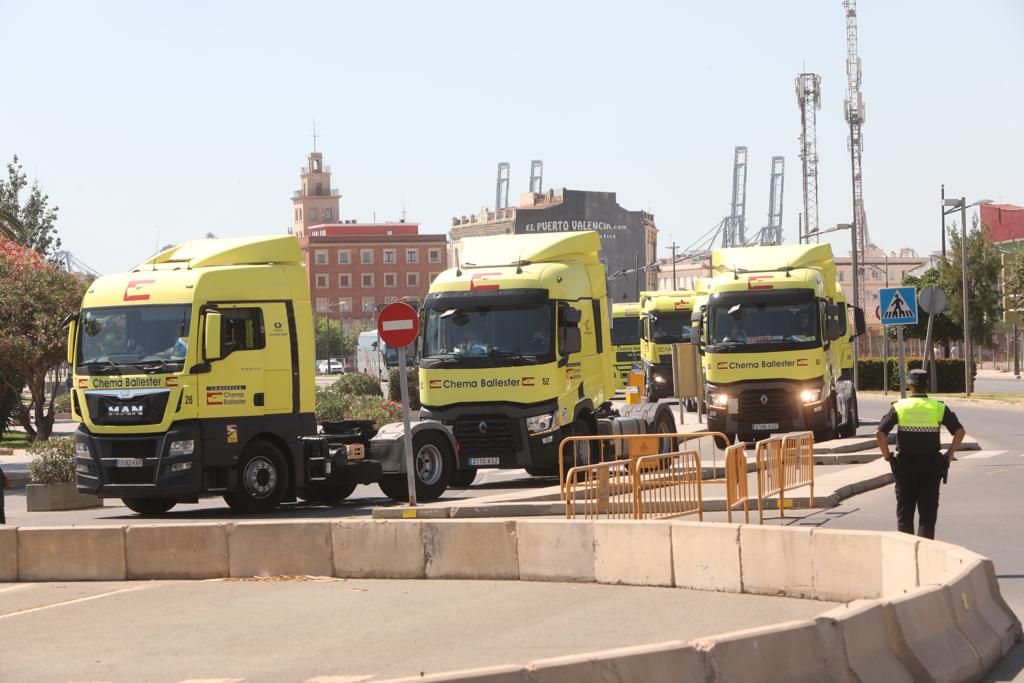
71 602
978 455
341 679
213 680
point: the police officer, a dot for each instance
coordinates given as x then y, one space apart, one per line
918 466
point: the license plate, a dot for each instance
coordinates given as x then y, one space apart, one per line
483 462
128 462
765 426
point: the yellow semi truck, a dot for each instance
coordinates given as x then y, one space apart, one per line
193 376
625 342
776 341
516 353
665 320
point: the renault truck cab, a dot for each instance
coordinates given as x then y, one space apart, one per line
625 342
665 320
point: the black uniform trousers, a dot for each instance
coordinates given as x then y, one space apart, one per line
918 477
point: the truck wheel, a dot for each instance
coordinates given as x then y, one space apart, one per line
829 431
551 471
664 423
149 506
463 478
582 451
850 428
262 480
434 463
328 494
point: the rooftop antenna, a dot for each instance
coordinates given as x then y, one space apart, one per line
315 135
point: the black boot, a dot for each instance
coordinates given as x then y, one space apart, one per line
926 531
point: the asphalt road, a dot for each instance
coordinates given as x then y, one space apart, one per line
343 631
981 508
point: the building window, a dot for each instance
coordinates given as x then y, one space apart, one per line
319 190
842 276
433 276
412 279
300 213
366 255
312 214
389 256
344 257
390 280
346 304
328 214
368 280
321 304
435 256
368 304
412 255
344 280
297 214
321 257
321 281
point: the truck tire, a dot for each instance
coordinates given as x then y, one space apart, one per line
582 452
664 423
262 480
853 419
434 463
149 506
551 471
829 431
463 478
328 494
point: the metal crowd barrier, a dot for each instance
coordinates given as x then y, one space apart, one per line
736 480
784 463
605 489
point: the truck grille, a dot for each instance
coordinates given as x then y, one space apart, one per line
485 437
777 406
131 448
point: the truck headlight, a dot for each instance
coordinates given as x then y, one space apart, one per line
182 447
810 395
660 379
540 423
717 398
82 449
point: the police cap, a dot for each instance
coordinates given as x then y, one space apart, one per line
917 378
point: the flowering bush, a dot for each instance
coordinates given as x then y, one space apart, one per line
332 406
53 461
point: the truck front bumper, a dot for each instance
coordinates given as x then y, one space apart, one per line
139 465
496 436
760 409
658 378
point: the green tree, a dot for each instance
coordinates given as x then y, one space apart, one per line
1014 284
34 219
983 271
328 337
945 330
35 297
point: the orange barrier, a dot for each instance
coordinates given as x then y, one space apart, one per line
736 480
784 463
605 489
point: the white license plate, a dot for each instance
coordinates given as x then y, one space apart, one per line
765 426
483 462
128 462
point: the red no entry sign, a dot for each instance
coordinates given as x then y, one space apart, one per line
398 325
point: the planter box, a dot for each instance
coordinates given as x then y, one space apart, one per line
51 497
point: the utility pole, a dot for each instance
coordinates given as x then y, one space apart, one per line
967 308
674 265
636 262
942 208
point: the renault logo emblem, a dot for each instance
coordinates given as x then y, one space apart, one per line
764 399
482 427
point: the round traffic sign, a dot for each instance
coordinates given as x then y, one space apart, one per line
398 324
932 300
878 312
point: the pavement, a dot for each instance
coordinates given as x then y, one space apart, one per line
344 631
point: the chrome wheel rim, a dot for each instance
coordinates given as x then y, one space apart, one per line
260 477
429 464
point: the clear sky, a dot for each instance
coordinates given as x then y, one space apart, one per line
154 122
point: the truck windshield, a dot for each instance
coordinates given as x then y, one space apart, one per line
155 337
488 336
625 331
670 328
791 325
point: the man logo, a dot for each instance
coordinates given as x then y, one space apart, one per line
482 427
764 399
125 410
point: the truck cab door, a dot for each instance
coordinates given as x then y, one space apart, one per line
234 386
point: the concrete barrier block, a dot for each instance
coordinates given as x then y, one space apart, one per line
177 551
776 561
669 661
378 549
471 549
280 549
490 674
707 556
84 553
555 550
873 642
633 553
9 553
793 651
969 619
929 628
937 562
846 565
899 564
993 607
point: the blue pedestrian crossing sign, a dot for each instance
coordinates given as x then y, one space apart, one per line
898 305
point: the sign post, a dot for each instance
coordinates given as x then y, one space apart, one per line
933 302
898 306
398 326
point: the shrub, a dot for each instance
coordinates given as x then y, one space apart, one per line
949 374
62 404
395 387
358 384
53 461
332 406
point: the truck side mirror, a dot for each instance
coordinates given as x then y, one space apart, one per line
697 329
212 336
72 329
859 326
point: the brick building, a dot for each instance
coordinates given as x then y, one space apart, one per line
355 267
